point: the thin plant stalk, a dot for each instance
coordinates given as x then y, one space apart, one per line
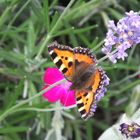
49 36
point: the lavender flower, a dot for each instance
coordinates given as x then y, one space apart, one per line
122 36
130 130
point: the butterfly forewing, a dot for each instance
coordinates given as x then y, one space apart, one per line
63 58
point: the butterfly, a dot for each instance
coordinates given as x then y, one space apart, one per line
78 66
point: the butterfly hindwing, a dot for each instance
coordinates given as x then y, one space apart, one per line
63 58
84 101
96 80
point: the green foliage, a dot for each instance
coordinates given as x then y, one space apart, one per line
26 28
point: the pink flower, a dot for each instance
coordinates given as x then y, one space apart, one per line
60 92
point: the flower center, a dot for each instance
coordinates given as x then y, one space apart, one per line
130 33
131 129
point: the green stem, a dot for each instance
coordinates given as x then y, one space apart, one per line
19 12
129 86
43 110
9 111
54 29
6 12
60 122
126 78
14 18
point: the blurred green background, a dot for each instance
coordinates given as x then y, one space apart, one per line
26 27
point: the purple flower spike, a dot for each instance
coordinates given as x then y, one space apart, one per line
107 49
130 130
106 80
101 93
93 108
122 36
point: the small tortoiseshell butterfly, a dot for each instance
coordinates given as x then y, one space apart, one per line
78 67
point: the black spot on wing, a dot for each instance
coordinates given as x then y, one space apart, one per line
64 70
82 111
53 55
86 94
59 63
80 105
79 98
70 64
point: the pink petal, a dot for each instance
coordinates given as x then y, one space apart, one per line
54 94
60 92
68 98
52 75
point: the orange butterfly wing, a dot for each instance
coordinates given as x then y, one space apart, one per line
63 58
86 101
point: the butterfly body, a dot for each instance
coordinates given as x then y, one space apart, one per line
78 65
83 78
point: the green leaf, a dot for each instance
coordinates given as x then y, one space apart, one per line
13 129
16 58
46 15
30 39
115 13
